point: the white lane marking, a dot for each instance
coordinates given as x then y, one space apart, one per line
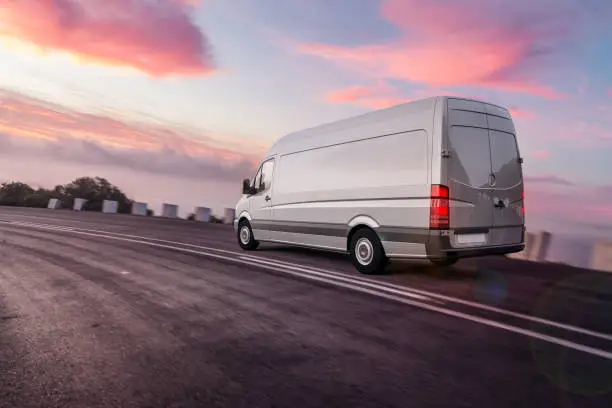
43 226
486 322
455 300
340 278
406 289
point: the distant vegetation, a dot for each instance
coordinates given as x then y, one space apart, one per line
213 219
94 190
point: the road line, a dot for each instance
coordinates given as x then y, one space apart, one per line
451 299
412 290
365 284
47 226
475 319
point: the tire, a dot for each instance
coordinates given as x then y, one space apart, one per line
245 236
449 260
367 253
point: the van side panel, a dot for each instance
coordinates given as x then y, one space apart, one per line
319 191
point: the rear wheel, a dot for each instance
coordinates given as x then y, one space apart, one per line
367 253
245 236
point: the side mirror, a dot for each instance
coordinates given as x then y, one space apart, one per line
246 186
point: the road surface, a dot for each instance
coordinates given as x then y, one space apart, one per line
101 310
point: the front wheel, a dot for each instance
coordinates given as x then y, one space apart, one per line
245 236
367 253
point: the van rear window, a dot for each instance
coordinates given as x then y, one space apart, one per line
504 159
471 157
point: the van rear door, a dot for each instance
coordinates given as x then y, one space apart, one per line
483 174
507 179
469 167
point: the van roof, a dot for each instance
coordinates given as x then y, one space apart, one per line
319 135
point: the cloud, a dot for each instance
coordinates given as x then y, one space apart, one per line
377 97
584 85
383 95
157 37
548 179
49 132
521 113
585 206
584 134
469 43
566 207
540 154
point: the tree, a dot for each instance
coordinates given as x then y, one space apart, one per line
216 220
40 198
14 193
95 191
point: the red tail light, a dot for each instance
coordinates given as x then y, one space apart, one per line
439 214
523 202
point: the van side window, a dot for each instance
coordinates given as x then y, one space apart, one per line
257 180
267 171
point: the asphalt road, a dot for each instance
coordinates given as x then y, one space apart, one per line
104 310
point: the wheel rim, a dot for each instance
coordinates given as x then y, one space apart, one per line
364 251
245 235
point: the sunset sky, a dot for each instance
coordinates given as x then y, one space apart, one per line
177 100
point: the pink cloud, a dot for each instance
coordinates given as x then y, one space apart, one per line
376 97
583 134
382 95
471 43
155 37
548 180
555 198
610 92
521 113
540 154
34 127
584 84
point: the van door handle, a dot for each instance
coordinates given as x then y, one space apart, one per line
267 198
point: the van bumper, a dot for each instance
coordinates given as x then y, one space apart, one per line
476 252
440 247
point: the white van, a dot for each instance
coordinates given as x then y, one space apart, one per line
438 178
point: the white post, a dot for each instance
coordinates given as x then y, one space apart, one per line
541 243
202 214
139 209
109 207
78 204
228 216
601 257
169 210
54 204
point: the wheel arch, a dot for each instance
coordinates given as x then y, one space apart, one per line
244 215
358 222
